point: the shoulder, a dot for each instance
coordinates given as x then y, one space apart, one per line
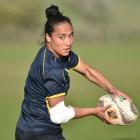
49 60
71 61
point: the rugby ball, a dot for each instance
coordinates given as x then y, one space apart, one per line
121 112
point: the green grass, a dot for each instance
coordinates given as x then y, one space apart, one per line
119 62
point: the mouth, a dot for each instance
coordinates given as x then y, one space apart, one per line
67 49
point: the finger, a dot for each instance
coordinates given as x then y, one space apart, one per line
124 95
107 120
129 98
108 123
114 95
114 92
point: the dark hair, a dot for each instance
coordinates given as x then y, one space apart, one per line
54 17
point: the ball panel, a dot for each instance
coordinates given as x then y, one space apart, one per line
122 111
133 109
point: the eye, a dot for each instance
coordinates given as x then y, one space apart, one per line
71 35
62 37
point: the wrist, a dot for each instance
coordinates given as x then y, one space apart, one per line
92 111
112 90
95 111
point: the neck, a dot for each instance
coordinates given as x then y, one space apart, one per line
50 49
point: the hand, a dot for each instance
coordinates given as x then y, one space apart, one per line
115 92
100 114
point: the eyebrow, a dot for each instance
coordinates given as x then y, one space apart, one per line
65 34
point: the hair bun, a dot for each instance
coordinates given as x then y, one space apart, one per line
52 11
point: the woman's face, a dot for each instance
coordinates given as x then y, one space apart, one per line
61 40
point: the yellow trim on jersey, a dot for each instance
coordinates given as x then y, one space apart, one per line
44 56
54 96
47 104
77 64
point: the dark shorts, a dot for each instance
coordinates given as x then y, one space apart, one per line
22 135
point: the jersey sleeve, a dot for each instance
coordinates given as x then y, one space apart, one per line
54 83
73 60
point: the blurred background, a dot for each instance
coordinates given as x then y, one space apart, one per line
107 36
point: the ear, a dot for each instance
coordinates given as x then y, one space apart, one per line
48 38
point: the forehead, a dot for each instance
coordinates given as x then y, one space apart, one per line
63 28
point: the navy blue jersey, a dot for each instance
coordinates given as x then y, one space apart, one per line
47 78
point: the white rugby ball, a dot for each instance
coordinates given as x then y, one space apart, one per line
121 112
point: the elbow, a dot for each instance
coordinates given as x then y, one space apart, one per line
56 119
61 114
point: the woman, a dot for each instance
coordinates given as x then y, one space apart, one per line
43 109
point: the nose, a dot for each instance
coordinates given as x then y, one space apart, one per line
68 41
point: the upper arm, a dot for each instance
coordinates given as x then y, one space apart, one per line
53 101
55 87
59 113
82 67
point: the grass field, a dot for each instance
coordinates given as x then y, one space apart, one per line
120 62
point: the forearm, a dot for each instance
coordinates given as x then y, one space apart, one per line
83 112
99 79
59 113
98 112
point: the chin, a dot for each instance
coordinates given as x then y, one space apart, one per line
65 54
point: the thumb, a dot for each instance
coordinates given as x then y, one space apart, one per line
107 107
